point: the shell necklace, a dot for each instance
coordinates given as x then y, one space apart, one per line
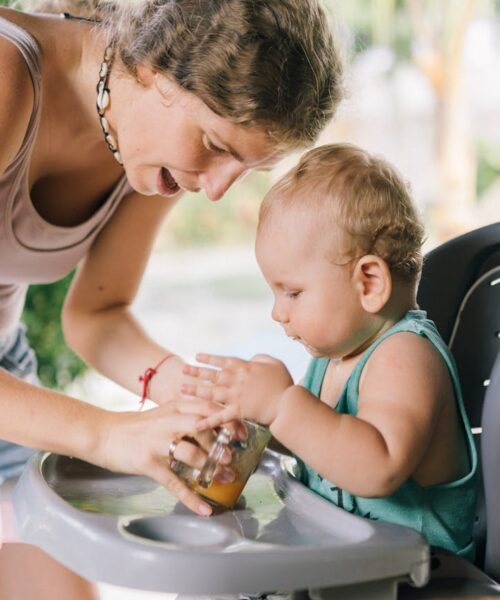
102 102
102 89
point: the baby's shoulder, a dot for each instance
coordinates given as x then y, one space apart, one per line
405 359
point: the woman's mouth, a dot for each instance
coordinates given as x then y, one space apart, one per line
166 184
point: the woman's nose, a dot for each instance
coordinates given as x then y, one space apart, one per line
216 181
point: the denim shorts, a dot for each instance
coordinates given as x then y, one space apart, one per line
17 358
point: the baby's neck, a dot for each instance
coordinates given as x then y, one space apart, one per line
402 300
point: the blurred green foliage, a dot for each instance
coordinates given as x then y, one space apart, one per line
57 364
375 23
196 220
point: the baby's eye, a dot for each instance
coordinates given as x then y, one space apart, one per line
293 293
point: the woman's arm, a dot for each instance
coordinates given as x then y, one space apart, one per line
97 319
135 443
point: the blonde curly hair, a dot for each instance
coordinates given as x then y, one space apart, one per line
360 196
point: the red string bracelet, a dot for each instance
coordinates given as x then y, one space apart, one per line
149 373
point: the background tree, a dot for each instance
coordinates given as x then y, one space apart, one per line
431 35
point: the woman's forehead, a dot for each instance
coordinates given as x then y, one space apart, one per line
251 144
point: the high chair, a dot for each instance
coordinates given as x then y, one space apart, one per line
128 531
460 290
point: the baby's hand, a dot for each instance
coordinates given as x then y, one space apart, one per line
247 389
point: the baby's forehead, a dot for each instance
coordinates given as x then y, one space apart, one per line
317 234
300 210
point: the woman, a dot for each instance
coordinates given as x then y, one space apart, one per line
190 96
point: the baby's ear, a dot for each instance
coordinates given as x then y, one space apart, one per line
373 282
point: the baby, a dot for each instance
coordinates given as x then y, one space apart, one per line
378 424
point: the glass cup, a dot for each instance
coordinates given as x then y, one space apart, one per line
245 458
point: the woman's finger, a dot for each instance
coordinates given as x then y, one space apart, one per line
183 418
160 472
189 454
205 439
197 406
179 424
168 419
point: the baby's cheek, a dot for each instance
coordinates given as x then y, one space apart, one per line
315 331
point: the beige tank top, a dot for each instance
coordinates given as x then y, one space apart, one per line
33 250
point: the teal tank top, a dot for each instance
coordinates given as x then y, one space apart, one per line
442 513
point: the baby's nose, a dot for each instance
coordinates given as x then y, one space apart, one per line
278 314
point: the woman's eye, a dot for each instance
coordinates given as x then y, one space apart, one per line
212 147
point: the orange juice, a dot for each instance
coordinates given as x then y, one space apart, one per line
245 457
225 494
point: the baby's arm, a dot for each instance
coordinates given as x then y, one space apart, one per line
370 454
373 453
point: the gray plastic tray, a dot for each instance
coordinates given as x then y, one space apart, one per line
128 531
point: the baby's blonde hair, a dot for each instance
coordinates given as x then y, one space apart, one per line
345 188
271 63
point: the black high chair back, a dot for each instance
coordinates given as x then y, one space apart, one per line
460 290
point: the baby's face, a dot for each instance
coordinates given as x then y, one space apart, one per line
315 301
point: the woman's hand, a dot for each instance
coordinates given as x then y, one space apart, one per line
242 389
138 443
164 389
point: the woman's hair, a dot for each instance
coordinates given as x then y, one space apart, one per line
265 62
356 199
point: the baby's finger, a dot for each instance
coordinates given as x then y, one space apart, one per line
220 418
205 392
165 477
203 373
202 392
223 362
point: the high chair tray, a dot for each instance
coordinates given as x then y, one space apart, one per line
128 531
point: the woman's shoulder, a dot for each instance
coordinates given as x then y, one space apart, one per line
16 100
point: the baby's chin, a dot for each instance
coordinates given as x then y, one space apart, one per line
314 352
318 352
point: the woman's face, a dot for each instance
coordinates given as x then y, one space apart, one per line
170 141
